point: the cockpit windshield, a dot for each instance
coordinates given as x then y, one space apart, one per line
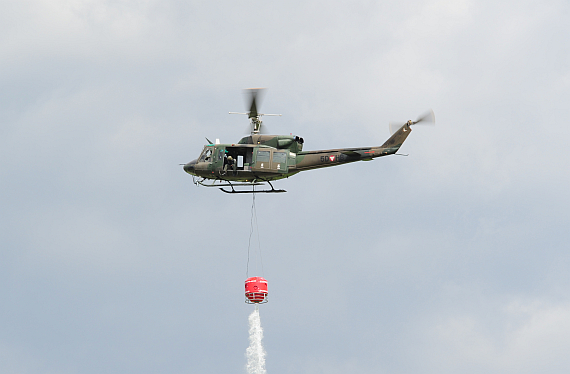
206 155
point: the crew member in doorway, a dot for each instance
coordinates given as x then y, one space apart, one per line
229 163
232 164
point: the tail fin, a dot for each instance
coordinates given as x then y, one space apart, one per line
397 139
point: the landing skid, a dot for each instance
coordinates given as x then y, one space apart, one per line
272 190
253 191
227 183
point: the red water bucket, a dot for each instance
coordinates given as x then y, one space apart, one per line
255 290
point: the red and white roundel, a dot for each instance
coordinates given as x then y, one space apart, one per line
331 158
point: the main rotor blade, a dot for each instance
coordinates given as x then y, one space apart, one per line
255 96
253 107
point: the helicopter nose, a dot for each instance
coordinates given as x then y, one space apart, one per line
189 167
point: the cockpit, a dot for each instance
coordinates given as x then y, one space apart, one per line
206 155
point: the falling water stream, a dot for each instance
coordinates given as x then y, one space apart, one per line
255 352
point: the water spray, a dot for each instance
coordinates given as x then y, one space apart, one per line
255 353
255 293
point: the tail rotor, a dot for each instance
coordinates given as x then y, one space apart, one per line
427 118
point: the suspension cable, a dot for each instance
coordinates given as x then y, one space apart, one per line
258 240
252 220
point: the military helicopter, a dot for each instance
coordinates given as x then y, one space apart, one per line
258 159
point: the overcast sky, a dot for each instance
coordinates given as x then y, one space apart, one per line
453 259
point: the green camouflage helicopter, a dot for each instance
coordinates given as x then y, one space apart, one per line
258 159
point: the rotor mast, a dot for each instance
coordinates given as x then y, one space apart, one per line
255 121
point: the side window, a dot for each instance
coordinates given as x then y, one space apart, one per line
220 154
262 156
279 157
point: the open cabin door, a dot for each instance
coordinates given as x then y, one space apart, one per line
242 157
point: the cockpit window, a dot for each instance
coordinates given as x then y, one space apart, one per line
206 155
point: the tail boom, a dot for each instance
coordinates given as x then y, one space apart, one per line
332 157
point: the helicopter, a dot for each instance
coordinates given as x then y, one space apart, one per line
259 159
